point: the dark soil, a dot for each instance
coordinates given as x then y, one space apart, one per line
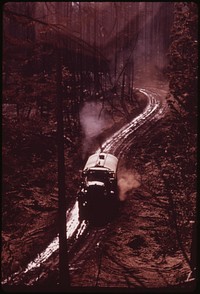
148 244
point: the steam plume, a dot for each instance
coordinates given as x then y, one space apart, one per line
127 180
93 120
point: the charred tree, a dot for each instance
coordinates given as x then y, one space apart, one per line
64 278
183 55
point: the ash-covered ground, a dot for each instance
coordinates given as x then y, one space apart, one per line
148 245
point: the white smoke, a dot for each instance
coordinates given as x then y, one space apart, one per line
127 180
94 120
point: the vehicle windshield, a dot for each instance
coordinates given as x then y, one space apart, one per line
97 176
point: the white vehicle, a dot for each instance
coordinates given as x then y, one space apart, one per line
98 193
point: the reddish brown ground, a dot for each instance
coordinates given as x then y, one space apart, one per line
141 247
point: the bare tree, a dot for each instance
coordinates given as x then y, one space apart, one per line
63 254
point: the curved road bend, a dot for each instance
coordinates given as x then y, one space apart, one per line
81 238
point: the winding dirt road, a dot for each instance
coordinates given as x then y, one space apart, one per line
83 240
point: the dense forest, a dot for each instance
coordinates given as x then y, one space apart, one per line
62 63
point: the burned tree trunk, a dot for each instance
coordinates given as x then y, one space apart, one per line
63 255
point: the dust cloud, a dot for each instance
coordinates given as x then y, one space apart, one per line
127 180
94 120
